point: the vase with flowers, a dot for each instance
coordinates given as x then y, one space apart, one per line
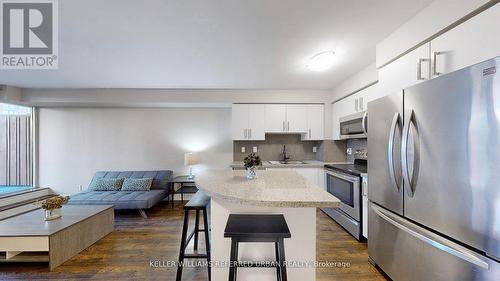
251 163
52 207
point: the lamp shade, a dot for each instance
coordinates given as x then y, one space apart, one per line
191 158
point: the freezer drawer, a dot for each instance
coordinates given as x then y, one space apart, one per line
406 251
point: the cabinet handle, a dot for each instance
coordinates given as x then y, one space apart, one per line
249 133
434 63
356 105
361 103
283 126
245 133
309 133
288 126
419 68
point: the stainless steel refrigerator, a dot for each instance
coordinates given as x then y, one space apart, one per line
434 186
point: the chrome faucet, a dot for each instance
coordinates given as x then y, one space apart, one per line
284 156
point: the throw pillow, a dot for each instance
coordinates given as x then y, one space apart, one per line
137 184
106 184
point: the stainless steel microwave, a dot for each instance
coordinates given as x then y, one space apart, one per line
354 126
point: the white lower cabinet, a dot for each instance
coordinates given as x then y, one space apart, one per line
311 174
322 178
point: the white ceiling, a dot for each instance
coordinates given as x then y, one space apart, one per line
213 43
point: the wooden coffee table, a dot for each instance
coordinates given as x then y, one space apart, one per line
29 238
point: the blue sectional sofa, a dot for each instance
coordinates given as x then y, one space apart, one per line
123 200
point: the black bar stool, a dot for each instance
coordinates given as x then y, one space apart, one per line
199 202
257 228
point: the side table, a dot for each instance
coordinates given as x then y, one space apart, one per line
187 186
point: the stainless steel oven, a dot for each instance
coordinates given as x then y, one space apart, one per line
354 126
347 188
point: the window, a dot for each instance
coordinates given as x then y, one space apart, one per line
16 142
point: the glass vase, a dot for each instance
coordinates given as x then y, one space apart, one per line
52 214
251 174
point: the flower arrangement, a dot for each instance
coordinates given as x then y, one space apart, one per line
54 202
252 160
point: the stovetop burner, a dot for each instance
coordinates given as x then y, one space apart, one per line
357 168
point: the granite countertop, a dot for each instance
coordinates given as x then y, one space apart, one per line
306 164
273 188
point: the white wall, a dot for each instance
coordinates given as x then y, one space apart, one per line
166 97
76 142
162 98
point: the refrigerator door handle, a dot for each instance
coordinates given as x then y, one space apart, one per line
409 181
363 123
390 149
450 249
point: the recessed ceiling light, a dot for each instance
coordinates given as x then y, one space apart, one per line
321 61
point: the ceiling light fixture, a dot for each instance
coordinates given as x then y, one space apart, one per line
321 61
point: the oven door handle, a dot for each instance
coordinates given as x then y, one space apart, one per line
352 179
390 149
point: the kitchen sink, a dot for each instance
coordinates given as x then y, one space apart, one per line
286 162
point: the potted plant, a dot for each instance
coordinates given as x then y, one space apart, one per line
251 162
52 207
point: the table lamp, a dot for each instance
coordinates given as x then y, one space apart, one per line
190 159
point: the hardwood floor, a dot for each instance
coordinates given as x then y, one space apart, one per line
125 254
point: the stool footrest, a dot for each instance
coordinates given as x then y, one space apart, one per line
191 236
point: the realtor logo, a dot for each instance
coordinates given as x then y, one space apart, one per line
29 34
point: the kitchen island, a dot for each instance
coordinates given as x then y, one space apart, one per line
273 192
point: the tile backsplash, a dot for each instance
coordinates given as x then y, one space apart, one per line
271 148
355 144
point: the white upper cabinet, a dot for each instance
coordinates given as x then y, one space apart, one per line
240 121
257 122
340 109
248 122
296 118
408 70
355 103
286 118
253 121
315 122
275 118
372 93
471 42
